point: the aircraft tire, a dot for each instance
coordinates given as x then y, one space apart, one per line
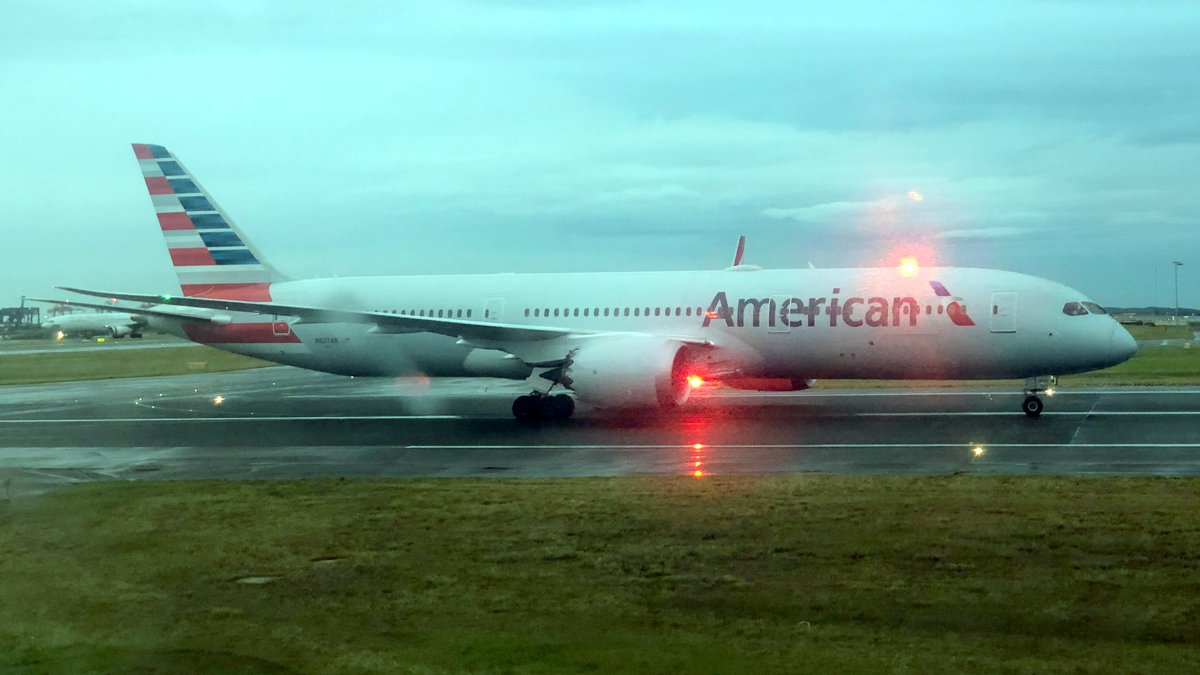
1032 406
525 408
559 407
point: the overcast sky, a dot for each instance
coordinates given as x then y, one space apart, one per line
1060 139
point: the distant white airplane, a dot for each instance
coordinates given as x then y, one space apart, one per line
88 324
618 340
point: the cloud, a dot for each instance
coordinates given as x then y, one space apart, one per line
388 137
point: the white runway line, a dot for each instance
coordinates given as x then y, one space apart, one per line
365 418
1063 413
263 418
798 446
1132 391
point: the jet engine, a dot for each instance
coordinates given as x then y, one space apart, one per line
633 371
119 331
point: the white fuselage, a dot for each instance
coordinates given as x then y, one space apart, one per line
937 323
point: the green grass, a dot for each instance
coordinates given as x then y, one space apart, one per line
100 364
1151 366
1161 332
650 575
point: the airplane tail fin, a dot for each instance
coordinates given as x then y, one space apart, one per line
212 257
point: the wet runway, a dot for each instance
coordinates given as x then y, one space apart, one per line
289 423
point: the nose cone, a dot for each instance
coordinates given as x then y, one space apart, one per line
1122 346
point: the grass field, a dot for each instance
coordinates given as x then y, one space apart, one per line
651 575
1151 366
1161 332
101 364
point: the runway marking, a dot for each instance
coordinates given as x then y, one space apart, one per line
263 418
366 418
1133 391
789 446
1064 413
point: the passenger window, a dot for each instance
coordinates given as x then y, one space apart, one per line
585 311
637 311
555 311
605 311
626 311
689 311
1094 308
1074 309
658 311
526 311
460 313
468 313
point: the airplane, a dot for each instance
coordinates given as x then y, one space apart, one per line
628 340
88 324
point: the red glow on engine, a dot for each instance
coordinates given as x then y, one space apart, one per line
695 381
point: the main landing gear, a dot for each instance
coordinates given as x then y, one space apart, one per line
1032 405
538 406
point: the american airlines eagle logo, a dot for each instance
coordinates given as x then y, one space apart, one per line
854 311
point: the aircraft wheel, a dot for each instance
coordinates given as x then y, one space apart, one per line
525 408
559 407
1032 406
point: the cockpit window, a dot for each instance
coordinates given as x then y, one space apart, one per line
1074 309
1094 308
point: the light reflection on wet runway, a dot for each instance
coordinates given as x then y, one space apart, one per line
287 423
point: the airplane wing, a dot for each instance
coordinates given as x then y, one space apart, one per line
193 315
533 344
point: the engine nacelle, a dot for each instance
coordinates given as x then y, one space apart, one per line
119 331
622 372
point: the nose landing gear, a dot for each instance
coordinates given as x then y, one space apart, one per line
1032 405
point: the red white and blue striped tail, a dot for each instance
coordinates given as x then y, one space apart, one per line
212 257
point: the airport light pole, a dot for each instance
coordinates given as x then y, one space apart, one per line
1177 265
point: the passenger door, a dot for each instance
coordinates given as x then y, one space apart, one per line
494 309
1004 312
